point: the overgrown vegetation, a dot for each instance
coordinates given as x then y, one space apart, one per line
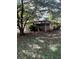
28 10
38 45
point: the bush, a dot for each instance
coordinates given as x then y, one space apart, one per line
56 26
33 28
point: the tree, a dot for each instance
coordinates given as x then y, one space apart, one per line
23 15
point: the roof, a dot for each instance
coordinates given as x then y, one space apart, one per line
42 22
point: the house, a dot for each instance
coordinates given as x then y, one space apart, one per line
43 25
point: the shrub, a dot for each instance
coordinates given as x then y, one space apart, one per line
56 26
33 28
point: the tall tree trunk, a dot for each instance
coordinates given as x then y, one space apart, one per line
22 27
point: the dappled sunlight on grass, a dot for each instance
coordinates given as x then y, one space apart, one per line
53 47
39 46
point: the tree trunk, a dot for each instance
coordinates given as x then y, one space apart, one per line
21 31
22 28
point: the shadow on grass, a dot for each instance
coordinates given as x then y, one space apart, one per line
40 46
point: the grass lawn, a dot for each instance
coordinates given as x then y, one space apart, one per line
39 46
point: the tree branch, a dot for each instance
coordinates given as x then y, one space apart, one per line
18 24
26 21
